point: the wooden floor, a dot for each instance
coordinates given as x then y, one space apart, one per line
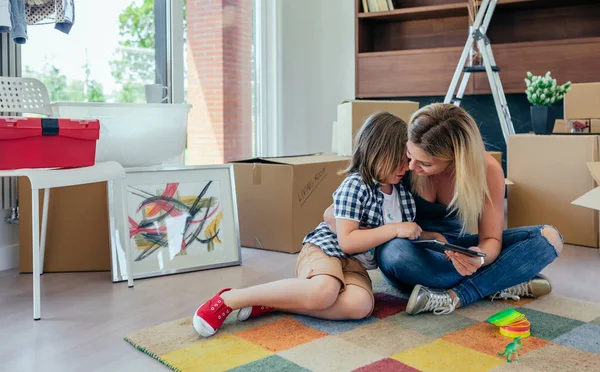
85 316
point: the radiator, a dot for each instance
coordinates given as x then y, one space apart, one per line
10 198
10 66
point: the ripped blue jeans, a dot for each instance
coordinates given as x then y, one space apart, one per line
525 253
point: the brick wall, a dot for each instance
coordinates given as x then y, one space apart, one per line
219 80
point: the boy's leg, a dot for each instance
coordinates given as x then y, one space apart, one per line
317 292
320 292
317 287
356 301
353 303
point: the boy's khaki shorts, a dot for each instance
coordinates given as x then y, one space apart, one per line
312 261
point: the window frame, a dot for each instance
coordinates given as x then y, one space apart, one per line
174 52
268 83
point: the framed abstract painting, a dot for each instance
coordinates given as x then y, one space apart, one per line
179 219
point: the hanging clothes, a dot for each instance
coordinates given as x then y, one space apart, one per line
43 11
59 12
69 17
5 23
19 21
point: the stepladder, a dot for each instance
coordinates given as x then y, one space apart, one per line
477 35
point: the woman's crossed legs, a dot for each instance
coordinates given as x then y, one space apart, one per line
440 288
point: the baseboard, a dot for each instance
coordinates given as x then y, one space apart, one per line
9 257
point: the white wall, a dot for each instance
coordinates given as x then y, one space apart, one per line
8 243
317 71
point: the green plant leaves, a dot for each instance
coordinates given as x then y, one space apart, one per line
544 90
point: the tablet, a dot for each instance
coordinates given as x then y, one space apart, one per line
441 246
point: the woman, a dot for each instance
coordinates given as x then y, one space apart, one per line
457 185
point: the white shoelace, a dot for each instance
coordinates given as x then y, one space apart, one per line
514 293
441 303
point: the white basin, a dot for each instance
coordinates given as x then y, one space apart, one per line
133 134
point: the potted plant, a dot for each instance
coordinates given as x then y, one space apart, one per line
542 92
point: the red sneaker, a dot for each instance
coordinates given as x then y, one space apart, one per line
210 316
253 311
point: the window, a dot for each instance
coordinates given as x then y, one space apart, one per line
202 50
108 55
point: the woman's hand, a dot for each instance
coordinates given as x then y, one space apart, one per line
465 265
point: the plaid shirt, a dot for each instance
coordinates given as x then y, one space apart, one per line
356 200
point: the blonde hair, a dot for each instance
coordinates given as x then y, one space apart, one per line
379 147
449 133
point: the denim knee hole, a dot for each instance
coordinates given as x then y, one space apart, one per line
556 250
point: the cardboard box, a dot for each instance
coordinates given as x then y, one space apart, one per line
560 126
591 199
352 114
582 101
546 181
576 126
280 200
497 155
77 237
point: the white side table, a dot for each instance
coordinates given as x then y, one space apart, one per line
46 179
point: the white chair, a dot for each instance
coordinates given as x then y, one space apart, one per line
31 96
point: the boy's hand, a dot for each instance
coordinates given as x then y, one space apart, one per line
428 235
329 219
408 230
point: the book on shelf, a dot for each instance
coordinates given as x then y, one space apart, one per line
377 5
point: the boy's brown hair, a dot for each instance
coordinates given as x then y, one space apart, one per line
379 147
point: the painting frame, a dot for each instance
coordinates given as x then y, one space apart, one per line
146 181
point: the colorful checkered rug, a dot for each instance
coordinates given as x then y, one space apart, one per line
565 337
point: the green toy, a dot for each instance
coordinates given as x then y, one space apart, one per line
513 348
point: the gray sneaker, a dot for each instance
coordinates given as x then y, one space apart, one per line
536 287
423 299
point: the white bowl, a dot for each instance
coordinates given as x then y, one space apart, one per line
133 134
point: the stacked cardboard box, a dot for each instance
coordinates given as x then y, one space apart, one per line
352 114
576 126
581 109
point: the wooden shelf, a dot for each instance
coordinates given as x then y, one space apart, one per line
427 72
413 51
569 58
389 53
506 2
537 4
417 13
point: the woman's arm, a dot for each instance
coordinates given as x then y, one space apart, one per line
491 223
